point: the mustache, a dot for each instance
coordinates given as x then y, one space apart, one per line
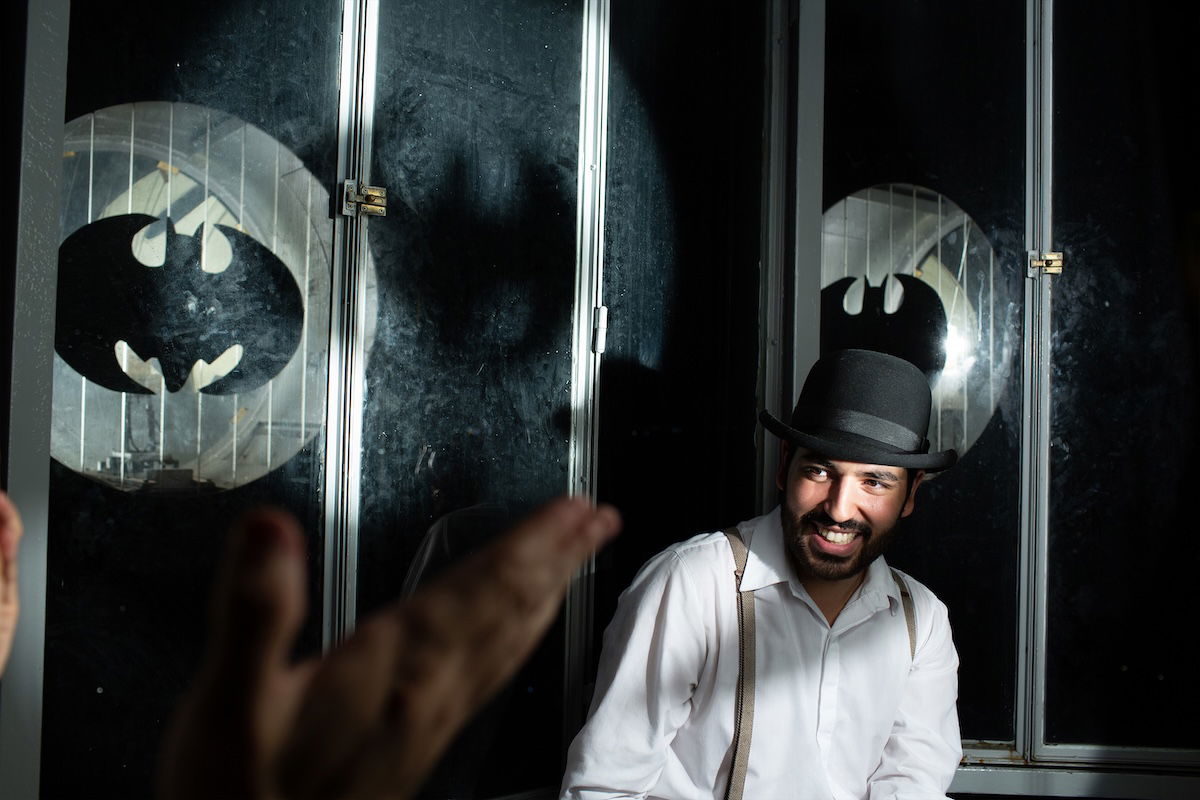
819 517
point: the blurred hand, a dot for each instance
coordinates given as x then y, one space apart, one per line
10 537
370 718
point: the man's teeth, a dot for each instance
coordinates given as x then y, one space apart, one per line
837 537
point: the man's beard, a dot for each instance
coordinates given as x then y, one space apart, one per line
810 562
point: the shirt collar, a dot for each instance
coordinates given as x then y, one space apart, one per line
768 564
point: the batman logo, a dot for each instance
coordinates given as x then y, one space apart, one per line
178 312
916 331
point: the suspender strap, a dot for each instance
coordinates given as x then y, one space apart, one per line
743 723
909 616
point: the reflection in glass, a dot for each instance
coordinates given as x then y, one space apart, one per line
129 573
229 303
954 123
906 271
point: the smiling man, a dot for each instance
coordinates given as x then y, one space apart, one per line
785 659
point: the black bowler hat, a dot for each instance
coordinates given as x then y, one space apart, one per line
859 405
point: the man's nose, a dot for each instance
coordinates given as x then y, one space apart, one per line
839 501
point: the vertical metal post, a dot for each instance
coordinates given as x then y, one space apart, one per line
26 454
347 325
810 134
1035 432
788 347
590 325
773 247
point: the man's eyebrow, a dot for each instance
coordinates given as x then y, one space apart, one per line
819 461
881 475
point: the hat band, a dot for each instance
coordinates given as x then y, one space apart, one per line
861 423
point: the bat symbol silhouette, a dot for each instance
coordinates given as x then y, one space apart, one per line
177 312
916 331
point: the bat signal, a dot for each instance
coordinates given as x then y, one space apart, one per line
178 312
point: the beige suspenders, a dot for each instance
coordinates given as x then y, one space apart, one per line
909 616
743 724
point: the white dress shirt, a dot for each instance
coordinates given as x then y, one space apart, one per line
840 711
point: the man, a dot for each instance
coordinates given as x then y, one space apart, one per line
847 702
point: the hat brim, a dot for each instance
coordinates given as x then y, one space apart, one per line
848 447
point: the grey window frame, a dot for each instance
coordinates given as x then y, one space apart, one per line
1028 765
27 452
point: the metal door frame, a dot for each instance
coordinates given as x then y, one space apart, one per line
1028 765
28 453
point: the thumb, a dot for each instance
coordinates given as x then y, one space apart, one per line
260 600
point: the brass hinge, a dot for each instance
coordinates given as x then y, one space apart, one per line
1044 264
359 198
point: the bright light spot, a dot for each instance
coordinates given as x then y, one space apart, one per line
960 356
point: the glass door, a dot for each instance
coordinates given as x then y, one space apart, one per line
191 348
467 409
923 257
208 358
1124 426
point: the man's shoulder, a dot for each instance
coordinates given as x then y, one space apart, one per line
702 558
696 553
702 545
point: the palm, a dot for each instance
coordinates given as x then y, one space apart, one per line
369 719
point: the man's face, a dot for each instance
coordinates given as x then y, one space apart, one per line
839 516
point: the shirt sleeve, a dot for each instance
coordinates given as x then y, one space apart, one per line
924 748
654 650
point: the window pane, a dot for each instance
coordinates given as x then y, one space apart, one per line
467 409
231 135
1123 552
925 98
677 404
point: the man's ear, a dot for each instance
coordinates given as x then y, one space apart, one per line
781 474
912 493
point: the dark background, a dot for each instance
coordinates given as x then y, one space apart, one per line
1126 372
677 404
12 66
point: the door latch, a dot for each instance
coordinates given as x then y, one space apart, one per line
1044 264
358 198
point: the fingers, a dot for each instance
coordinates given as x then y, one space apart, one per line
464 636
10 537
260 600
10 529
486 616
232 723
